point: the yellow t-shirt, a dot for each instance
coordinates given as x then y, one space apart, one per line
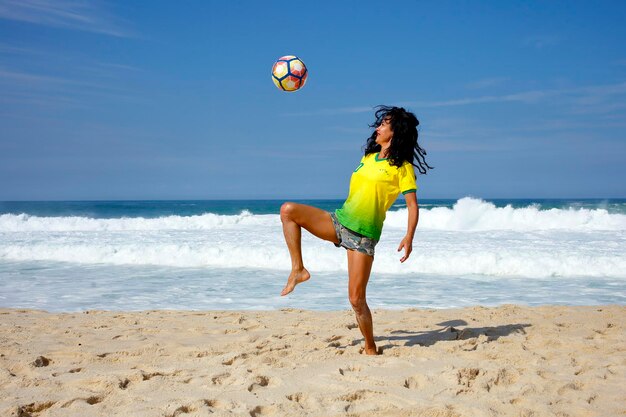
374 186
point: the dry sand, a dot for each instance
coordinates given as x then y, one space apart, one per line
505 361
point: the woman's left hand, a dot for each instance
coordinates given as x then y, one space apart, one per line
407 244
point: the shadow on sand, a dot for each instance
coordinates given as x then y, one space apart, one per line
448 332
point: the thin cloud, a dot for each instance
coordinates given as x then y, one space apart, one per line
462 129
22 88
5 48
580 94
30 78
342 110
122 67
108 71
541 41
39 100
526 97
25 55
20 79
75 15
599 99
605 90
443 145
486 82
599 109
345 129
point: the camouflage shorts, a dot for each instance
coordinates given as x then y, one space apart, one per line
352 240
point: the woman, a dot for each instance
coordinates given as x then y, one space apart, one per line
384 172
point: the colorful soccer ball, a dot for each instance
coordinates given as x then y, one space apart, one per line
289 73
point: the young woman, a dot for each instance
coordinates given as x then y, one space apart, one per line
384 172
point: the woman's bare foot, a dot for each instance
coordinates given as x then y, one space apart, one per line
295 278
371 351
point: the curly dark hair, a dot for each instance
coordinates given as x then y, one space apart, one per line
404 146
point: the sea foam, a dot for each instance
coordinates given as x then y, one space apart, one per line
471 214
474 237
468 214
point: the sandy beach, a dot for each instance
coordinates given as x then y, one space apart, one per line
506 361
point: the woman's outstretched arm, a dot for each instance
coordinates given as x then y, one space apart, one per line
413 208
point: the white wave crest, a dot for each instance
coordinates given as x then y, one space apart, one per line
473 237
208 221
472 214
467 214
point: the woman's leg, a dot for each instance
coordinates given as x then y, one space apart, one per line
317 221
359 268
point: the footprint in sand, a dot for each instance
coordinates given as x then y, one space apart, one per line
572 386
349 369
259 382
298 397
416 381
219 379
94 399
352 373
183 409
466 376
583 369
71 371
232 360
262 344
215 404
268 360
263 410
212 404
360 401
146 376
221 405
360 395
333 341
33 408
205 353
506 377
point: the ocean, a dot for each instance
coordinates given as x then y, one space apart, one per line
226 255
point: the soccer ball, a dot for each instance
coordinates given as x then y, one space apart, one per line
289 73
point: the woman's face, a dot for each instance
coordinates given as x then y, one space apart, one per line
384 133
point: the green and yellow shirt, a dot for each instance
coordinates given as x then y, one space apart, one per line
374 186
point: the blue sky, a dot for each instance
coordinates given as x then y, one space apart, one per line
173 100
